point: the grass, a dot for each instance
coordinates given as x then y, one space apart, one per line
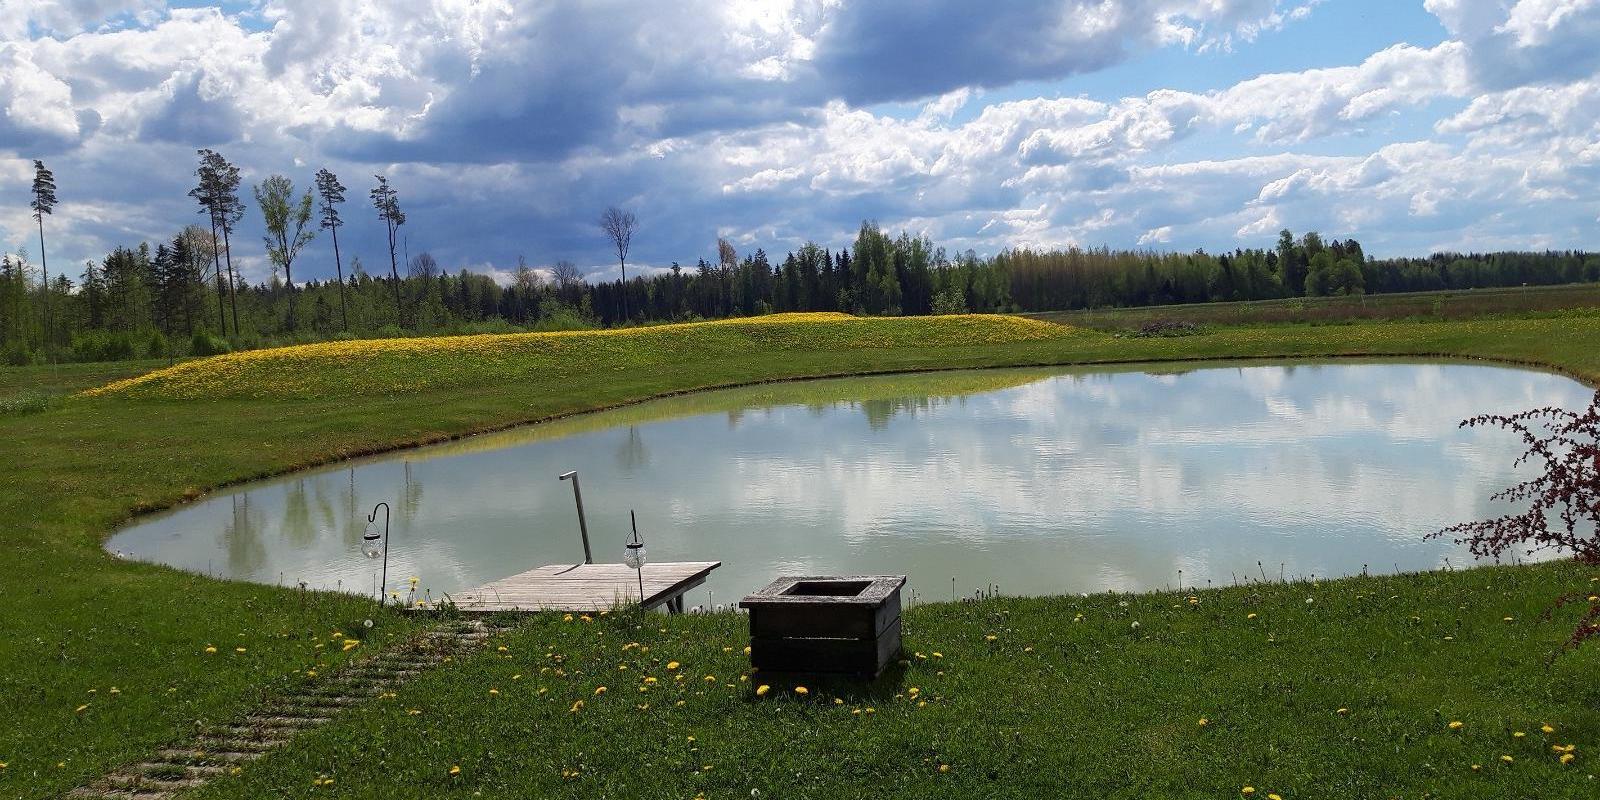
78 622
1069 698
1439 305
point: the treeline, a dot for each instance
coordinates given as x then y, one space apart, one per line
184 296
905 275
144 302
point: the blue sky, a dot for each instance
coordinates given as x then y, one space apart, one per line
1412 125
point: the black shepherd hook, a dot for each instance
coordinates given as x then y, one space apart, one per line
371 536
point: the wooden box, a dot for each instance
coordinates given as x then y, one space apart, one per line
844 624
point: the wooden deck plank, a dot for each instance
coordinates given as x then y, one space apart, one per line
585 587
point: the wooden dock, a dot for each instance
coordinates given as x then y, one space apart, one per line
588 587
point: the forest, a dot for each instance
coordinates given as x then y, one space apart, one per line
184 296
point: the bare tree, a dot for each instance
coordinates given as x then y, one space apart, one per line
567 279
524 278
423 268
618 226
44 202
286 220
331 192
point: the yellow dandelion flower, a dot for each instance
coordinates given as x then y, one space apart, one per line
577 706
494 692
600 691
211 648
801 690
944 767
761 691
1247 791
672 665
1547 728
1566 758
81 709
1507 759
455 770
1456 725
1204 722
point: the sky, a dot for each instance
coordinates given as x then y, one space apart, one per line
1412 125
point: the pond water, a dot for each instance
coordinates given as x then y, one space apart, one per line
1039 480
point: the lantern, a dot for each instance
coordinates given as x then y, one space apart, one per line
633 556
375 544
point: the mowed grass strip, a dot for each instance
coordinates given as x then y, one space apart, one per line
78 621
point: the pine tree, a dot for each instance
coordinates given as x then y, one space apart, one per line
43 203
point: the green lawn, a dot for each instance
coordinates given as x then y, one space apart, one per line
79 622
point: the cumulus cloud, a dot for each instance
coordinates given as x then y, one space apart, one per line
507 124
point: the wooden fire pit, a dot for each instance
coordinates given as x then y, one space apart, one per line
845 624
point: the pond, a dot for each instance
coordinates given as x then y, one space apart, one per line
1042 481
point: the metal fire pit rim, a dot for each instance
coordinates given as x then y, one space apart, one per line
878 591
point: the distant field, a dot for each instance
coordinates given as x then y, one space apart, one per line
1452 304
54 379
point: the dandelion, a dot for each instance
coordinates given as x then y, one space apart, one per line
455 770
1274 796
211 649
761 691
1507 759
238 650
494 692
1456 725
937 654
567 618
1247 791
1204 722
81 709
600 691
1546 728
1342 711
502 649
1251 615
672 665
1477 767
1518 735
838 701
1566 758
576 707
801 690
990 637
944 767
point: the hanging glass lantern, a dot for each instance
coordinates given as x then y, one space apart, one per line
372 544
634 555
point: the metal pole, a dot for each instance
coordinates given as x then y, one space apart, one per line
583 526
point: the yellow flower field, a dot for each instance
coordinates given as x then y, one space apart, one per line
377 366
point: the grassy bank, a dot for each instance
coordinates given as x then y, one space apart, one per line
79 622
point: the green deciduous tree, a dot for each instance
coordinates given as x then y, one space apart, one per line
286 218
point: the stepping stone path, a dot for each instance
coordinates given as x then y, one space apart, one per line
223 749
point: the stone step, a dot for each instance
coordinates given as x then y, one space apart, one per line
283 721
204 756
142 782
166 767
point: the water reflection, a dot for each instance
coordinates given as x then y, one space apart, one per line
1041 480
